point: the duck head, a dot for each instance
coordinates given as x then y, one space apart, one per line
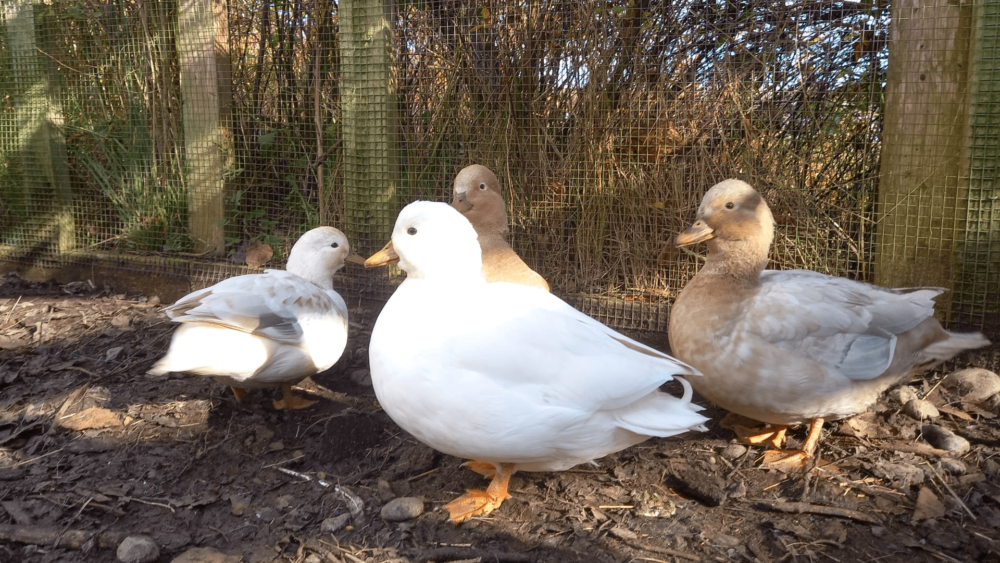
736 223
477 196
432 241
319 253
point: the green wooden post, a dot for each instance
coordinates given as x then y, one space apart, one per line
369 121
205 138
925 152
977 290
39 124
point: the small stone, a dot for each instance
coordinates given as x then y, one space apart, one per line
902 395
206 555
276 446
920 409
402 508
623 533
952 466
385 491
878 531
138 549
737 490
335 524
905 473
239 504
944 439
113 353
975 384
733 451
361 377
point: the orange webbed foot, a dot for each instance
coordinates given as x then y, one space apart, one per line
240 394
755 436
483 468
791 460
478 503
291 401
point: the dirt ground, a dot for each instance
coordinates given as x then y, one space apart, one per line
93 450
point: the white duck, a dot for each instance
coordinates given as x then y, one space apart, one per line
477 197
266 330
794 346
508 375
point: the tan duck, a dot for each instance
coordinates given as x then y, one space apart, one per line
794 346
477 196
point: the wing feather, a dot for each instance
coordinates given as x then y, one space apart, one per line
270 305
847 325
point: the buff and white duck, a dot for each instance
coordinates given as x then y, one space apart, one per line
477 196
507 375
795 346
266 330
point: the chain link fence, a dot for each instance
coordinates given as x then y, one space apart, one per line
166 138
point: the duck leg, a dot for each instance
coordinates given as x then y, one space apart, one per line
476 503
483 468
291 401
240 393
787 460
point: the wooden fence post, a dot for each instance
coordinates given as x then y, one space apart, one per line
369 121
205 92
924 181
40 138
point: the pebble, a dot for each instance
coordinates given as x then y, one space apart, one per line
733 451
944 439
402 508
952 466
335 524
975 384
361 377
920 409
902 395
138 549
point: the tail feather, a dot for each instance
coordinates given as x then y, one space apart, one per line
660 414
955 344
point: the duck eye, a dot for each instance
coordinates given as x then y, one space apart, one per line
482 186
729 205
334 245
412 230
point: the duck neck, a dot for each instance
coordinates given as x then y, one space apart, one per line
740 261
317 271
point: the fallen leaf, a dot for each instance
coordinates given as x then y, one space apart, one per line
928 506
94 417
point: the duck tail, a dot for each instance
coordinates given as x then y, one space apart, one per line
660 414
954 344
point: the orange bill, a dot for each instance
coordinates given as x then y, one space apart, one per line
383 257
698 232
353 258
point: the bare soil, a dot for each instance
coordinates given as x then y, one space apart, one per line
93 450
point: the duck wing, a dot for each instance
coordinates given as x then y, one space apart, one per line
271 305
539 346
846 325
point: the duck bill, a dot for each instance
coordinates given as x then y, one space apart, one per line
383 257
461 202
353 258
699 232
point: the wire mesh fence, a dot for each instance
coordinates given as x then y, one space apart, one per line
167 137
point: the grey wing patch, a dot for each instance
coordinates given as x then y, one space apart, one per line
867 357
278 327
